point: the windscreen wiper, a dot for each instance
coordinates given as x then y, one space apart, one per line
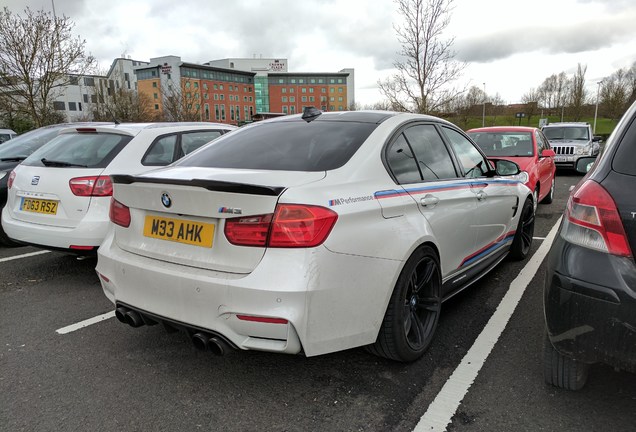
54 163
13 159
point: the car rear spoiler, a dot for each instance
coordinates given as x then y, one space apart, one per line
211 185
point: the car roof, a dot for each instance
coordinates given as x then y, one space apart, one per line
135 128
567 124
503 129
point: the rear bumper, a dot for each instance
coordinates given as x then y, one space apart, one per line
90 232
331 301
590 305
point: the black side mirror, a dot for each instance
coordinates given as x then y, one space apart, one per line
597 138
584 164
505 167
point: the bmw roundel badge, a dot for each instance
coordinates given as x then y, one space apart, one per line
166 200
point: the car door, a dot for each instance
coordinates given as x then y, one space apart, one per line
545 165
495 203
423 167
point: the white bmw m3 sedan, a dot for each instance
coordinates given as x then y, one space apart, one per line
314 233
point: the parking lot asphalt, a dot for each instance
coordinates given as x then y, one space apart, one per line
107 376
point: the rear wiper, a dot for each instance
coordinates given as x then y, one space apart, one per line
13 159
54 163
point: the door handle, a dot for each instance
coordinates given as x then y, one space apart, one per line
481 195
429 200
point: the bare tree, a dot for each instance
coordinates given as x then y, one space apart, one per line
467 105
109 103
615 94
183 102
578 96
37 54
553 91
422 81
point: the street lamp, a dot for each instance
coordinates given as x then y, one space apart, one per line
483 114
598 88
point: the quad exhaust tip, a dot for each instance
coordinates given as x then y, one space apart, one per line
202 341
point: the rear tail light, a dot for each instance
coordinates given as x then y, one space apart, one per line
291 226
10 179
593 221
91 186
119 214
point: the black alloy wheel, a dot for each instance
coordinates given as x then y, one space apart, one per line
413 311
522 241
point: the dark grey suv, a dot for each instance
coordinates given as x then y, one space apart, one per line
590 287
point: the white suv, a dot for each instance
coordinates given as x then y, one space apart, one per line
59 196
571 141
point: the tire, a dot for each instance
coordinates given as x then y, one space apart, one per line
550 196
522 241
561 371
413 311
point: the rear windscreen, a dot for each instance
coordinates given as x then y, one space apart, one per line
87 150
285 145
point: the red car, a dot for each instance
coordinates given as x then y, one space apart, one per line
526 146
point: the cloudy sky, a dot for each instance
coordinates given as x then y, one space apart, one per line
510 45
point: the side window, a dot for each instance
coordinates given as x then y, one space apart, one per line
161 151
402 162
471 159
431 154
193 140
541 144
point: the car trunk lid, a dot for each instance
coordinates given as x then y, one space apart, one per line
179 215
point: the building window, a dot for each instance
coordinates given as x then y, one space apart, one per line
339 98
216 96
250 98
207 111
156 106
222 97
222 112
196 85
303 90
73 80
281 81
85 98
187 84
323 90
311 99
339 80
216 112
245 112
292 109
313 80
206 96
72 106
284 109
293 80
311 89
303 99
154 84
332 99
332 81
283 90
79 105
332 90
205 86
332 108
220 86
216 87
292 99
284 99
339 89
291 89
89 82
155 95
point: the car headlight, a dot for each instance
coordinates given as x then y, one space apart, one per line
523 177
583 150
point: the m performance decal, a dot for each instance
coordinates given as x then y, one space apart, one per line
486 250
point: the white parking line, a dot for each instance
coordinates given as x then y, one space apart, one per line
23 256
85 323
441 410
538 238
